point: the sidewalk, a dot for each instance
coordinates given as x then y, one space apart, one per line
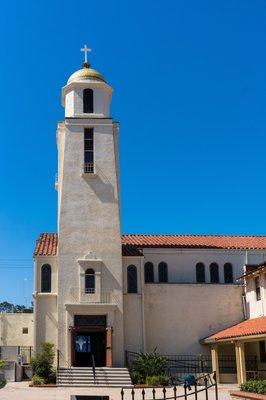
22 391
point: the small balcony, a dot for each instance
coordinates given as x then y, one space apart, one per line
92 296
89 168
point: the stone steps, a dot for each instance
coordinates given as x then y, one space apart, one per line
80 376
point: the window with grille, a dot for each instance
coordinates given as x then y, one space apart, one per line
90 281
46 278
88 150
88 101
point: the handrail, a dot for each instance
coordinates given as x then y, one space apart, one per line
93 369
69 366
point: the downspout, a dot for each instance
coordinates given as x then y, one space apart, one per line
142 305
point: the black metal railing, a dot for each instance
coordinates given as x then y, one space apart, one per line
11 353
93 368
202 384
177 365
88 168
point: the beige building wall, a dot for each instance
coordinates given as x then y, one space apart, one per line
11 329
177 316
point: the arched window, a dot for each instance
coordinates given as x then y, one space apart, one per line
200 272
228 273
88 101
214 273
46 278
90 281
132 279
148 272
163 272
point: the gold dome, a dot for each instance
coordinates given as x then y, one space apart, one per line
84 74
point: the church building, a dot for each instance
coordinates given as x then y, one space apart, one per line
100 295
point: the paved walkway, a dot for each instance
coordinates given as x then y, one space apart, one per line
22 391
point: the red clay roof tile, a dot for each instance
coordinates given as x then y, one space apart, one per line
256 326
47 243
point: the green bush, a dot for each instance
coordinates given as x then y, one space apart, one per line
2 383
147 365
38 380
160 380
2 363
254 386
42 363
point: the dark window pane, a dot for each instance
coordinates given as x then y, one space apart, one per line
88 145
88 157
46 273
88 101
132 280
88 133
163 272
89 281
228 273
257 288
148 272
214 273
200 273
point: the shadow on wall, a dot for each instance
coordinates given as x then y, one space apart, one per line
103 189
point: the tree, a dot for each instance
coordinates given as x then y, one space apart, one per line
6 307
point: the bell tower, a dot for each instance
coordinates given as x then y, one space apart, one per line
88 215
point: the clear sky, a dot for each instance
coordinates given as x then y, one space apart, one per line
190 95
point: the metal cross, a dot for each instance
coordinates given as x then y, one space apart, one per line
86 50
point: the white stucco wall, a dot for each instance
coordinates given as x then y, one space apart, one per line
101 99
255 308
11 329
89 225
181 262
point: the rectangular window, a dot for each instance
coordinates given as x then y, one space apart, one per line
88 151
25 331
257 288
262 351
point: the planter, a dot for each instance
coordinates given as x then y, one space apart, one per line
237 394
49 385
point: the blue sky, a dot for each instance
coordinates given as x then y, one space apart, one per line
190 95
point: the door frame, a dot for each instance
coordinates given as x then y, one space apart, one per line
74 330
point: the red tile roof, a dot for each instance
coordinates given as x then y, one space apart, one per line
256 326
47 243
196 241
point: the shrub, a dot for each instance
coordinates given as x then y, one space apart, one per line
2 383
42 363
2 379
160 380
38 380
254 386
147 365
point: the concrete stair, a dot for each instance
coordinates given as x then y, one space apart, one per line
83 377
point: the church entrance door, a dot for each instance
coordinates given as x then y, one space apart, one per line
88 341
89 345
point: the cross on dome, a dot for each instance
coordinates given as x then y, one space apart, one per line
86 50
